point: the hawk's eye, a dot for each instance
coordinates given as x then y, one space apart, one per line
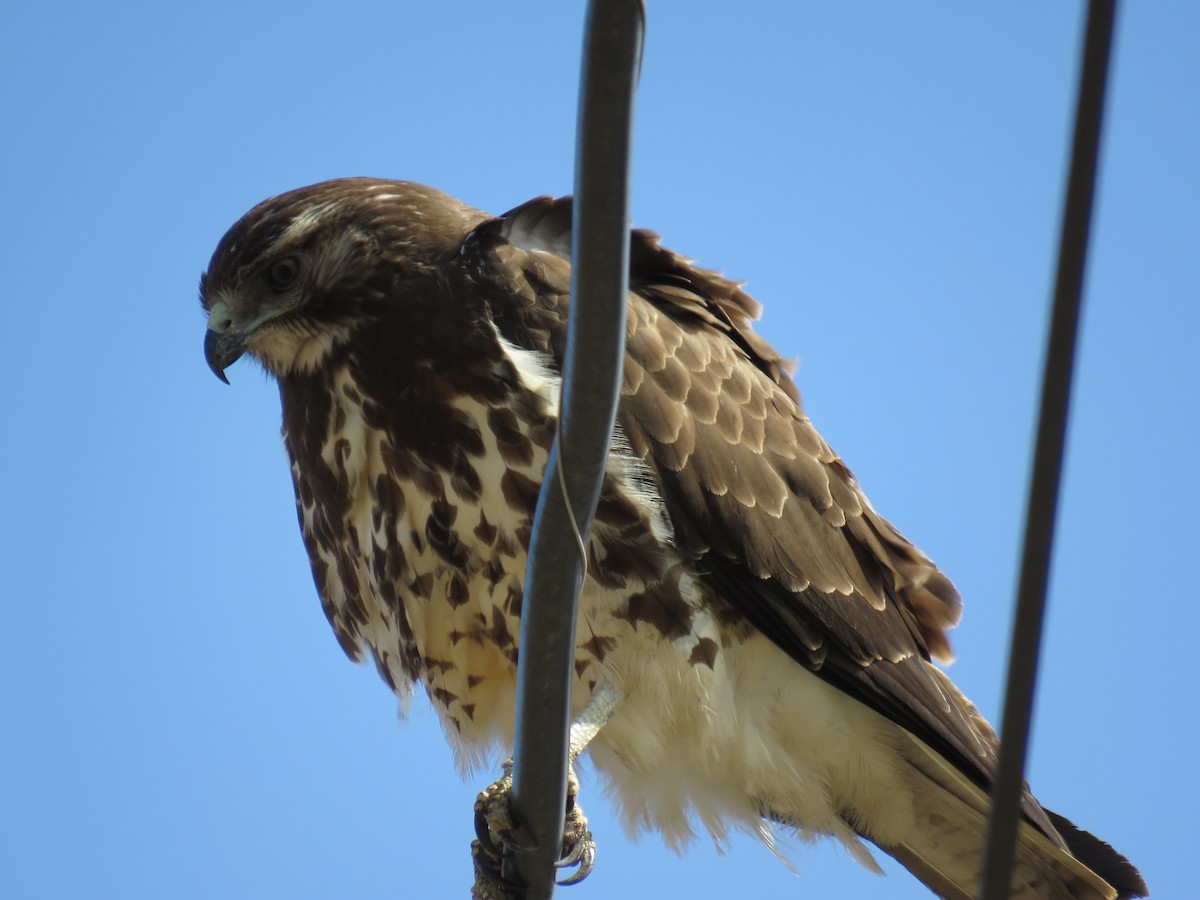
283 272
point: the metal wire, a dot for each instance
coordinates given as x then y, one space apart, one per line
591 382
1048 453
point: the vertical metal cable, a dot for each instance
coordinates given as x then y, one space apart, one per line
1048 453
591 383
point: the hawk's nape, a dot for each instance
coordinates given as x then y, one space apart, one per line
769 633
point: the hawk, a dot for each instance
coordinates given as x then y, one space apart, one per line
768 637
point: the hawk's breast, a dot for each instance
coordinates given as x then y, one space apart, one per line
420 557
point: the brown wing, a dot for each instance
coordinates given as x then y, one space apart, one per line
773 518
770 512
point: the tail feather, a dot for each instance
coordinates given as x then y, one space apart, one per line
945 848
1101 858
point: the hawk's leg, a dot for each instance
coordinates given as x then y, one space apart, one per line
493 816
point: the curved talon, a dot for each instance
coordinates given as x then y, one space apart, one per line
509 842
482 832
573 856
587 861
577 839
485 867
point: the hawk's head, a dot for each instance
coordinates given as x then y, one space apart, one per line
293 278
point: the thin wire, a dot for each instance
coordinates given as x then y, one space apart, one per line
1048 453
590 391
566 495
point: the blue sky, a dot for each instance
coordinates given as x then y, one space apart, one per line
178 719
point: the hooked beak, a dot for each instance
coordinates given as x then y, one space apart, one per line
225 342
